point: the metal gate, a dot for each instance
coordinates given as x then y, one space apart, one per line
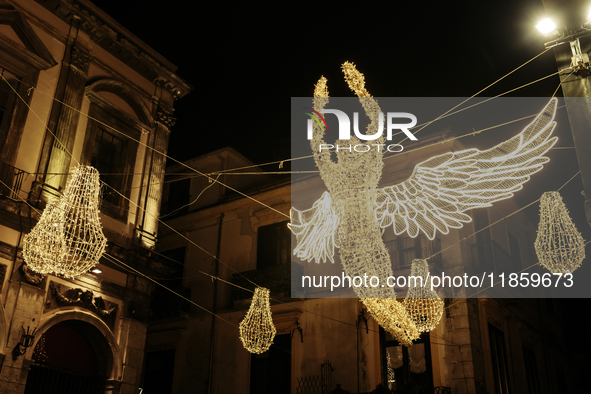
44 379
317 384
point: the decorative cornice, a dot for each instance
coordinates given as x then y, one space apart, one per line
173 84
164 116
31 277
118 41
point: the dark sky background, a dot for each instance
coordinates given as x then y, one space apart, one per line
245 63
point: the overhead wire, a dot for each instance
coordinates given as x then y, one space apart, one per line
227 170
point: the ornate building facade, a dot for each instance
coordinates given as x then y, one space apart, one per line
77 87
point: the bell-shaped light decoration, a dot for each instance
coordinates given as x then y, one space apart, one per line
559 246
257 329
392 316
75 223
44 242
424 306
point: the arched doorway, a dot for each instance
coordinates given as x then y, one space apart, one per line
71 357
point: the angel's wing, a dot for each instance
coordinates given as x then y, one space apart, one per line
315 230
442 188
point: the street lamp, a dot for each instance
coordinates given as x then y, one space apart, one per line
548 28
574 67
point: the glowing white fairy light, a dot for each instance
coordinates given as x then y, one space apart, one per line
393 317
319 220
257 329
559 246
433 199
424 306
44 242
391 373
439 191
74 222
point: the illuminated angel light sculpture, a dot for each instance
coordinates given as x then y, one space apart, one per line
69 239
424 306
257 329
559 246
434 198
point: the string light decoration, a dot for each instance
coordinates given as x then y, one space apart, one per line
439 191
44 242
257 329
393 317
433 199
74 222
391 372
424 306
559 246
319 219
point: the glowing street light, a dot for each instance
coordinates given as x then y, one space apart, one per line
574 66
546 26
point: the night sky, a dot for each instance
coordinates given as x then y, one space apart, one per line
246 64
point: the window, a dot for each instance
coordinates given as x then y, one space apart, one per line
531 371
7 104
406 369
112 151
515 252
7 101
274 244
175 196
499 360
164 304
270 372
159 372
403 250
107 158
483 258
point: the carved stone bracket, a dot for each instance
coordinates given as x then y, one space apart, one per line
31 277
106 310
79 58
164 116
174 87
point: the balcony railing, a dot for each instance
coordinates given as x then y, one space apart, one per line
11 181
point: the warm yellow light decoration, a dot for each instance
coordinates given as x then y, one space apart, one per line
439 191
424 306
435 197
45 240
393 317
75 224
559 246
257 329
391 372
351 182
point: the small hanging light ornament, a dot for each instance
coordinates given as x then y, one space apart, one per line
424 306
257 329
559 246
44 241
78 240
393 317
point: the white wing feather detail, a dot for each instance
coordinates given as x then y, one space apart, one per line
442 188
315 230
